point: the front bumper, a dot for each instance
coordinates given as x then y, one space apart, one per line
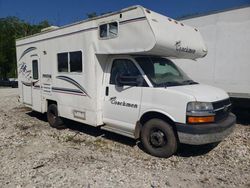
205 133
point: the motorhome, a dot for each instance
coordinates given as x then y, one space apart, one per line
114 72
226 34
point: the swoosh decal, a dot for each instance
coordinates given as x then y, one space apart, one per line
27 51
26 84
70 80
68 91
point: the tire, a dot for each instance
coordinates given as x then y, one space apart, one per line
54 120
158 138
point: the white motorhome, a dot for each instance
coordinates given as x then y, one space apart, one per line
112 72
227 65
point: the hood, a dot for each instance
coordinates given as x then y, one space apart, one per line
201 92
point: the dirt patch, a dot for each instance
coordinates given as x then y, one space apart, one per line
35 155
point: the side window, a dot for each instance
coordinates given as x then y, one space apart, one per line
75 61
123 67
69 61
113 29
103 31
62 59
109 30
35 69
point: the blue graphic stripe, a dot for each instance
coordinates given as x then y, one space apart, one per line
27 51
70 80
66 89
26 84
57 89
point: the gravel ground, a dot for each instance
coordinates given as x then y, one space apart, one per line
35 155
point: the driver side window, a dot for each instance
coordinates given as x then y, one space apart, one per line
124 67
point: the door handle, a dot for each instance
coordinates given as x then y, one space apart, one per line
107 91
33 82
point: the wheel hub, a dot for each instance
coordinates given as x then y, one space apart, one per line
157 138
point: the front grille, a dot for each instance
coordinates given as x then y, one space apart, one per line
222 109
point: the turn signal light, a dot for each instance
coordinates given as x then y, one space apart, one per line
195 119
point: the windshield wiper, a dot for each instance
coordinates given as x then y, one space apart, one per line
189 82
167 84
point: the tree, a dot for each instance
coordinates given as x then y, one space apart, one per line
12 28
92 15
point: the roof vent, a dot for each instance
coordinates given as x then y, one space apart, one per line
49 28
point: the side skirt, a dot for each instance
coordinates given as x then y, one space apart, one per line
118 131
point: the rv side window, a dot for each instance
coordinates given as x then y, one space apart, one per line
109 30
70 61
75 61
62 59
35 69
113 29
103 31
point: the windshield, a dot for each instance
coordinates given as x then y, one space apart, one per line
163 72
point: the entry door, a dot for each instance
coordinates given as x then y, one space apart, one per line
36 85
26 80
122 103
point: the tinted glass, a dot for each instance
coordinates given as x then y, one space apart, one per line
75 61
35 69
103 30
62 59
163 72
109 30
113 29
161 69
123 67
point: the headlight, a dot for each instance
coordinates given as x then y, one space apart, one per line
200 112
199 107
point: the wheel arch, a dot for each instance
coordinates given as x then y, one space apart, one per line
49 102
146 116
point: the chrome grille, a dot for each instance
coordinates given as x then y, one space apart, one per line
222 109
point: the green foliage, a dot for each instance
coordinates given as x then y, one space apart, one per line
12 28
92 15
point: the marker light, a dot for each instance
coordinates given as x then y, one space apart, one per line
197 119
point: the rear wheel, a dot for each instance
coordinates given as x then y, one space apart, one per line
54 120
158 138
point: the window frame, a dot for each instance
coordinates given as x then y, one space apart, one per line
58 62
137 67
35 60
69 71
81 62
108 37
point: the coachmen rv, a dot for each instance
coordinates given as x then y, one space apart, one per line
114 72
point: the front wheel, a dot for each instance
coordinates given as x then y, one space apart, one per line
158 138
54 120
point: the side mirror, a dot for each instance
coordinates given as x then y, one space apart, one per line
122 80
